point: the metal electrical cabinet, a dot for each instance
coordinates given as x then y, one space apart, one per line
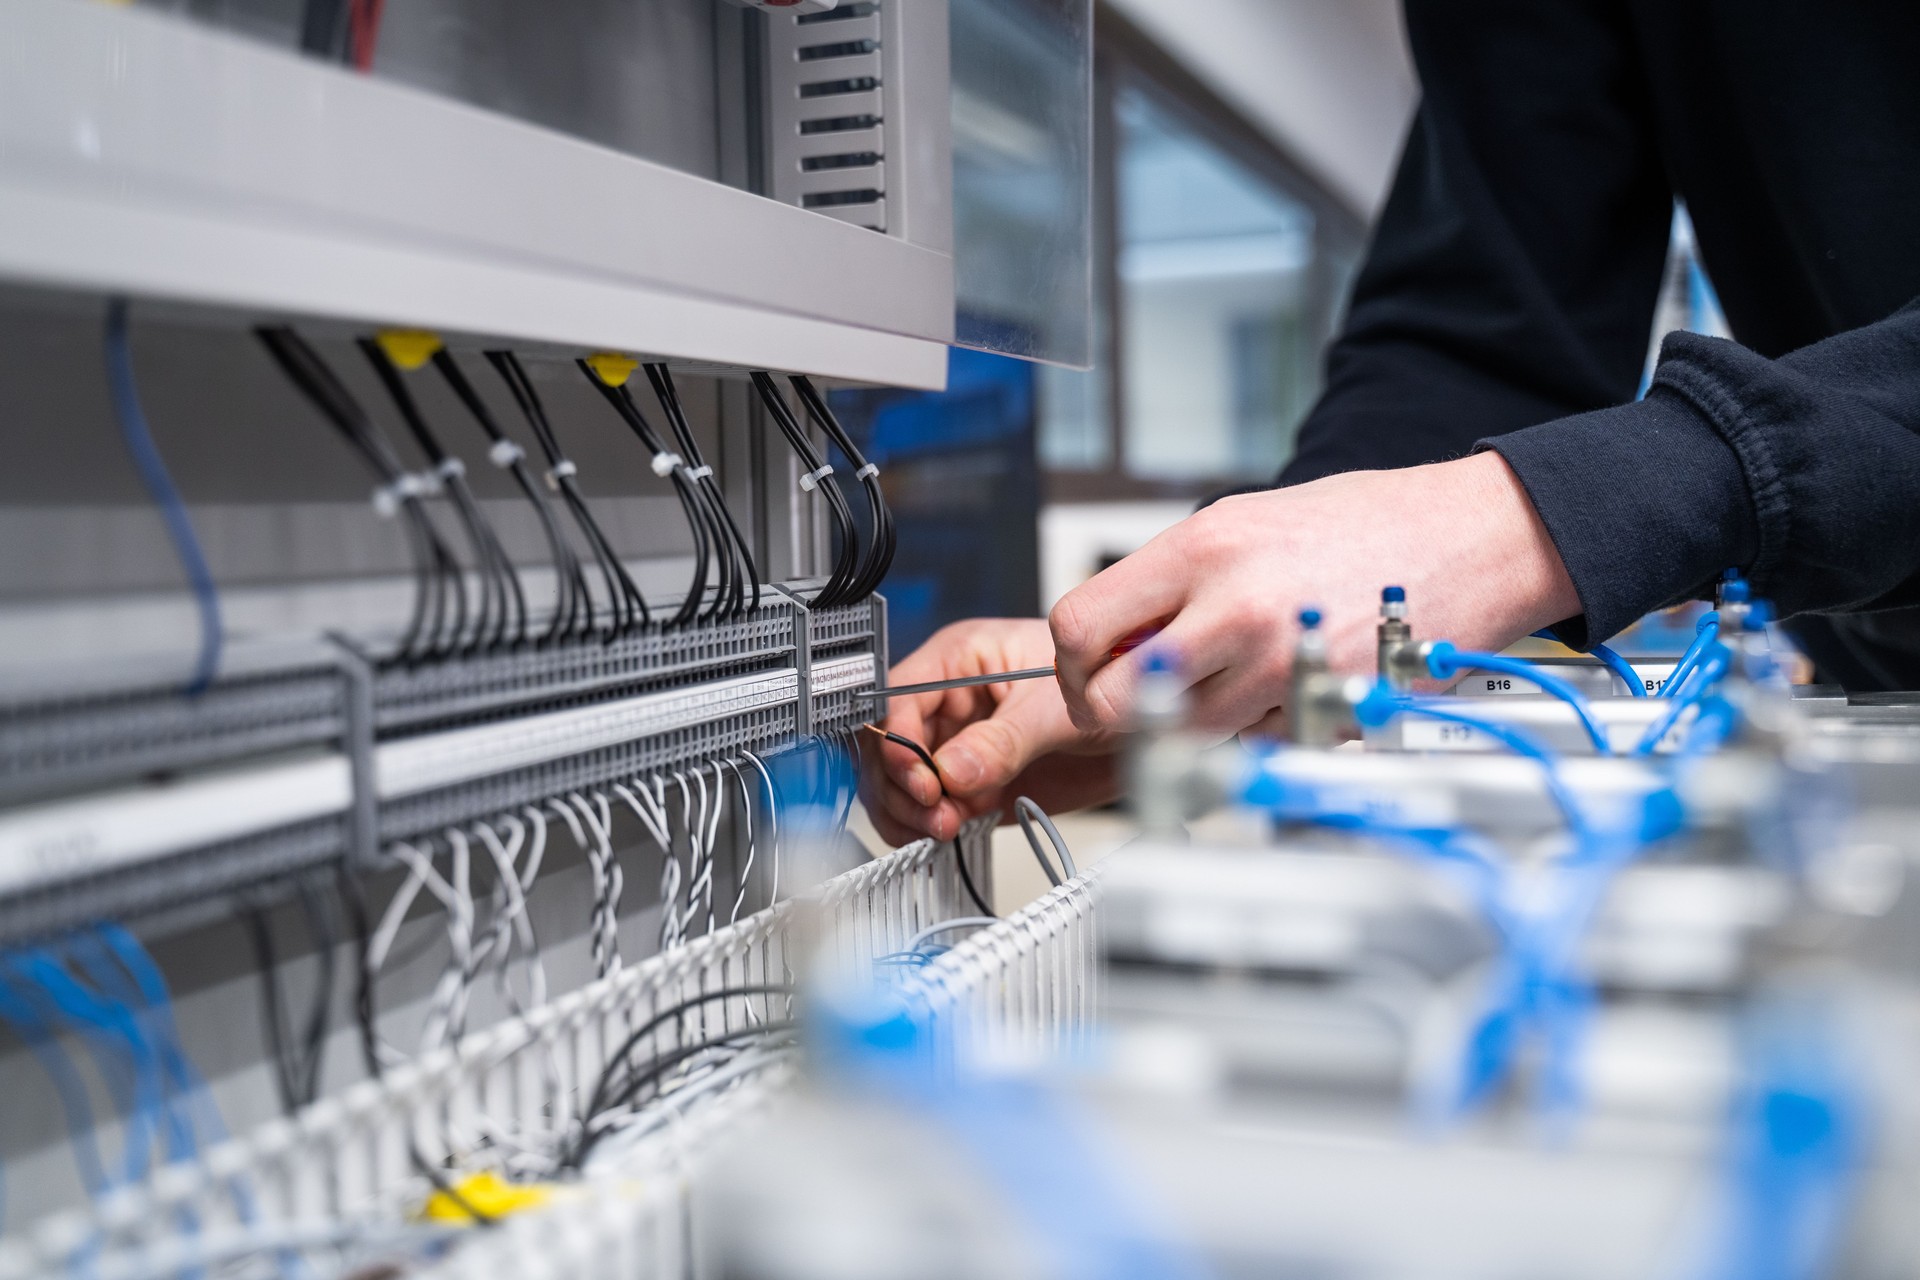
141 153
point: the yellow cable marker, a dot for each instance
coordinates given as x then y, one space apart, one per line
611 367
408 348
490 1194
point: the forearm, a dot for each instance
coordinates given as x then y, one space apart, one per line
1803 471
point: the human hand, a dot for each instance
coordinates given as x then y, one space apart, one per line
1224 588
991 742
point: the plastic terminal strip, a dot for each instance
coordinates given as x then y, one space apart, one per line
257 781
103 831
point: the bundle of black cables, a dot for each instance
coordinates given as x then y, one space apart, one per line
439 616
623 1078
847 560
502 617
297 1052
572 605
880 551
745 571
626 607
708 528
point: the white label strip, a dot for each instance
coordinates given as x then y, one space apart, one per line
433 760
134 824
843 673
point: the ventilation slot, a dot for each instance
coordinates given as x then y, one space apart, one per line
834 88
827 113
846 160
845 49
841 13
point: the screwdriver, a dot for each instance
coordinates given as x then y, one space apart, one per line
1127 645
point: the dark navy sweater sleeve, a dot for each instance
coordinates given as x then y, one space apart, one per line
1513 272
1804 471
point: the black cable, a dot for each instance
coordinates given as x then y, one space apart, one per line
620 1056
698 517
819 476
323 28
659 1067
272 1009
880 551
503 603
320 927
627 608
959 855
296 1067
748 571
569 578
434 589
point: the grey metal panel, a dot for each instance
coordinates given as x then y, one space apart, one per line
148 155
857 111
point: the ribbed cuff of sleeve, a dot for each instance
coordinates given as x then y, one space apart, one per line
1645 502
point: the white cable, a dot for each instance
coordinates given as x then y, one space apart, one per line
509 924
647 809
773 823
693 854
713 834
702 884
459 937
933 931
381 943
600 821
746 865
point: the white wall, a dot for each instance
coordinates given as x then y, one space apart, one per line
1075 537
1329 80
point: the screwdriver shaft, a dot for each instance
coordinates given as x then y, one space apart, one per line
962 682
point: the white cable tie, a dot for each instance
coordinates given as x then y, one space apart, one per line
869 470
560 471
664 463
450 467
505 453
420 484
386 501
812 479
700 472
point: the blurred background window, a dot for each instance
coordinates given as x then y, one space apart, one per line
1223 312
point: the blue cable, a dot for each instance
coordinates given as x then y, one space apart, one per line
1709 671
108 1031
1705 632
1445 661
1612 661
1515 741
33 1028
153 474
103 968
153 988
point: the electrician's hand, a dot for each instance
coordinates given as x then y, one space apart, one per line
992 742
1224 587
